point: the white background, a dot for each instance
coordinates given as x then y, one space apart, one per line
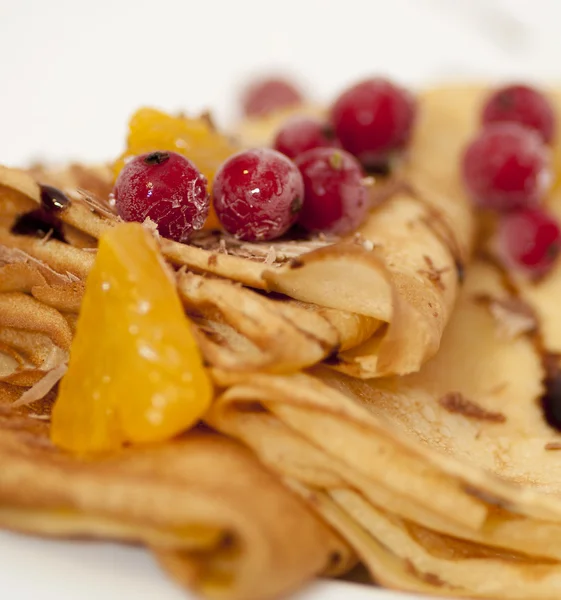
71 72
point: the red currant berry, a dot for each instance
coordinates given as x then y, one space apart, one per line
529 240
299 134
506 167
521 104
373 119
336 199
168 189
268 95
258 194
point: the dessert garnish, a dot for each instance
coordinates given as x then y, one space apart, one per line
43 222
38 223
373 119
419 374
53 199
506 167
268 95
529 240
135 373
551 401
166 188
258 194
521 104
300 133
194 138
336 199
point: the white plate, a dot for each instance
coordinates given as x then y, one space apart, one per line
61 570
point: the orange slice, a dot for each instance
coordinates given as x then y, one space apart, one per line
135 372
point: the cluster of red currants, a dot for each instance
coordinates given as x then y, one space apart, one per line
507 169
314 175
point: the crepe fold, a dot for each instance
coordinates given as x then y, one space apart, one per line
216 520
445 481
373 304
38 312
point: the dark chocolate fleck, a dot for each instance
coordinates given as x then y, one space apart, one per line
551 400
455 402
553 446
53 200
38 223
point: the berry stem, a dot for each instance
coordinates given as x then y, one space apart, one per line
156 158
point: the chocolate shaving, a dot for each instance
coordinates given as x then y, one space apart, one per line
551 400
440 227
551 363
433 274
42 387
282 250
486 497
271 257
514 316
455 402
95 204
553 446
15 255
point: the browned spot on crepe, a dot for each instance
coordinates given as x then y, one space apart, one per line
455 402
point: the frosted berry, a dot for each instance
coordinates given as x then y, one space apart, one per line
529 240
299 134
506 167
336 199
166 188
268 95
524 105
258 194
373 119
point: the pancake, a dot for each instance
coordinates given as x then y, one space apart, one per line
461 449
374 304
215 519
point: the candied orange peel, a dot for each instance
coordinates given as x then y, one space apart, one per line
194 138
135 373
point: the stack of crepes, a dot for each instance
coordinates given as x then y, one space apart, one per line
389 379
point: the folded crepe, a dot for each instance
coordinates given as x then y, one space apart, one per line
374 304
38 312
216 520
448 478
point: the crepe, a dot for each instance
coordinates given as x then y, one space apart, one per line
216 520
38 310
373 304
459 451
